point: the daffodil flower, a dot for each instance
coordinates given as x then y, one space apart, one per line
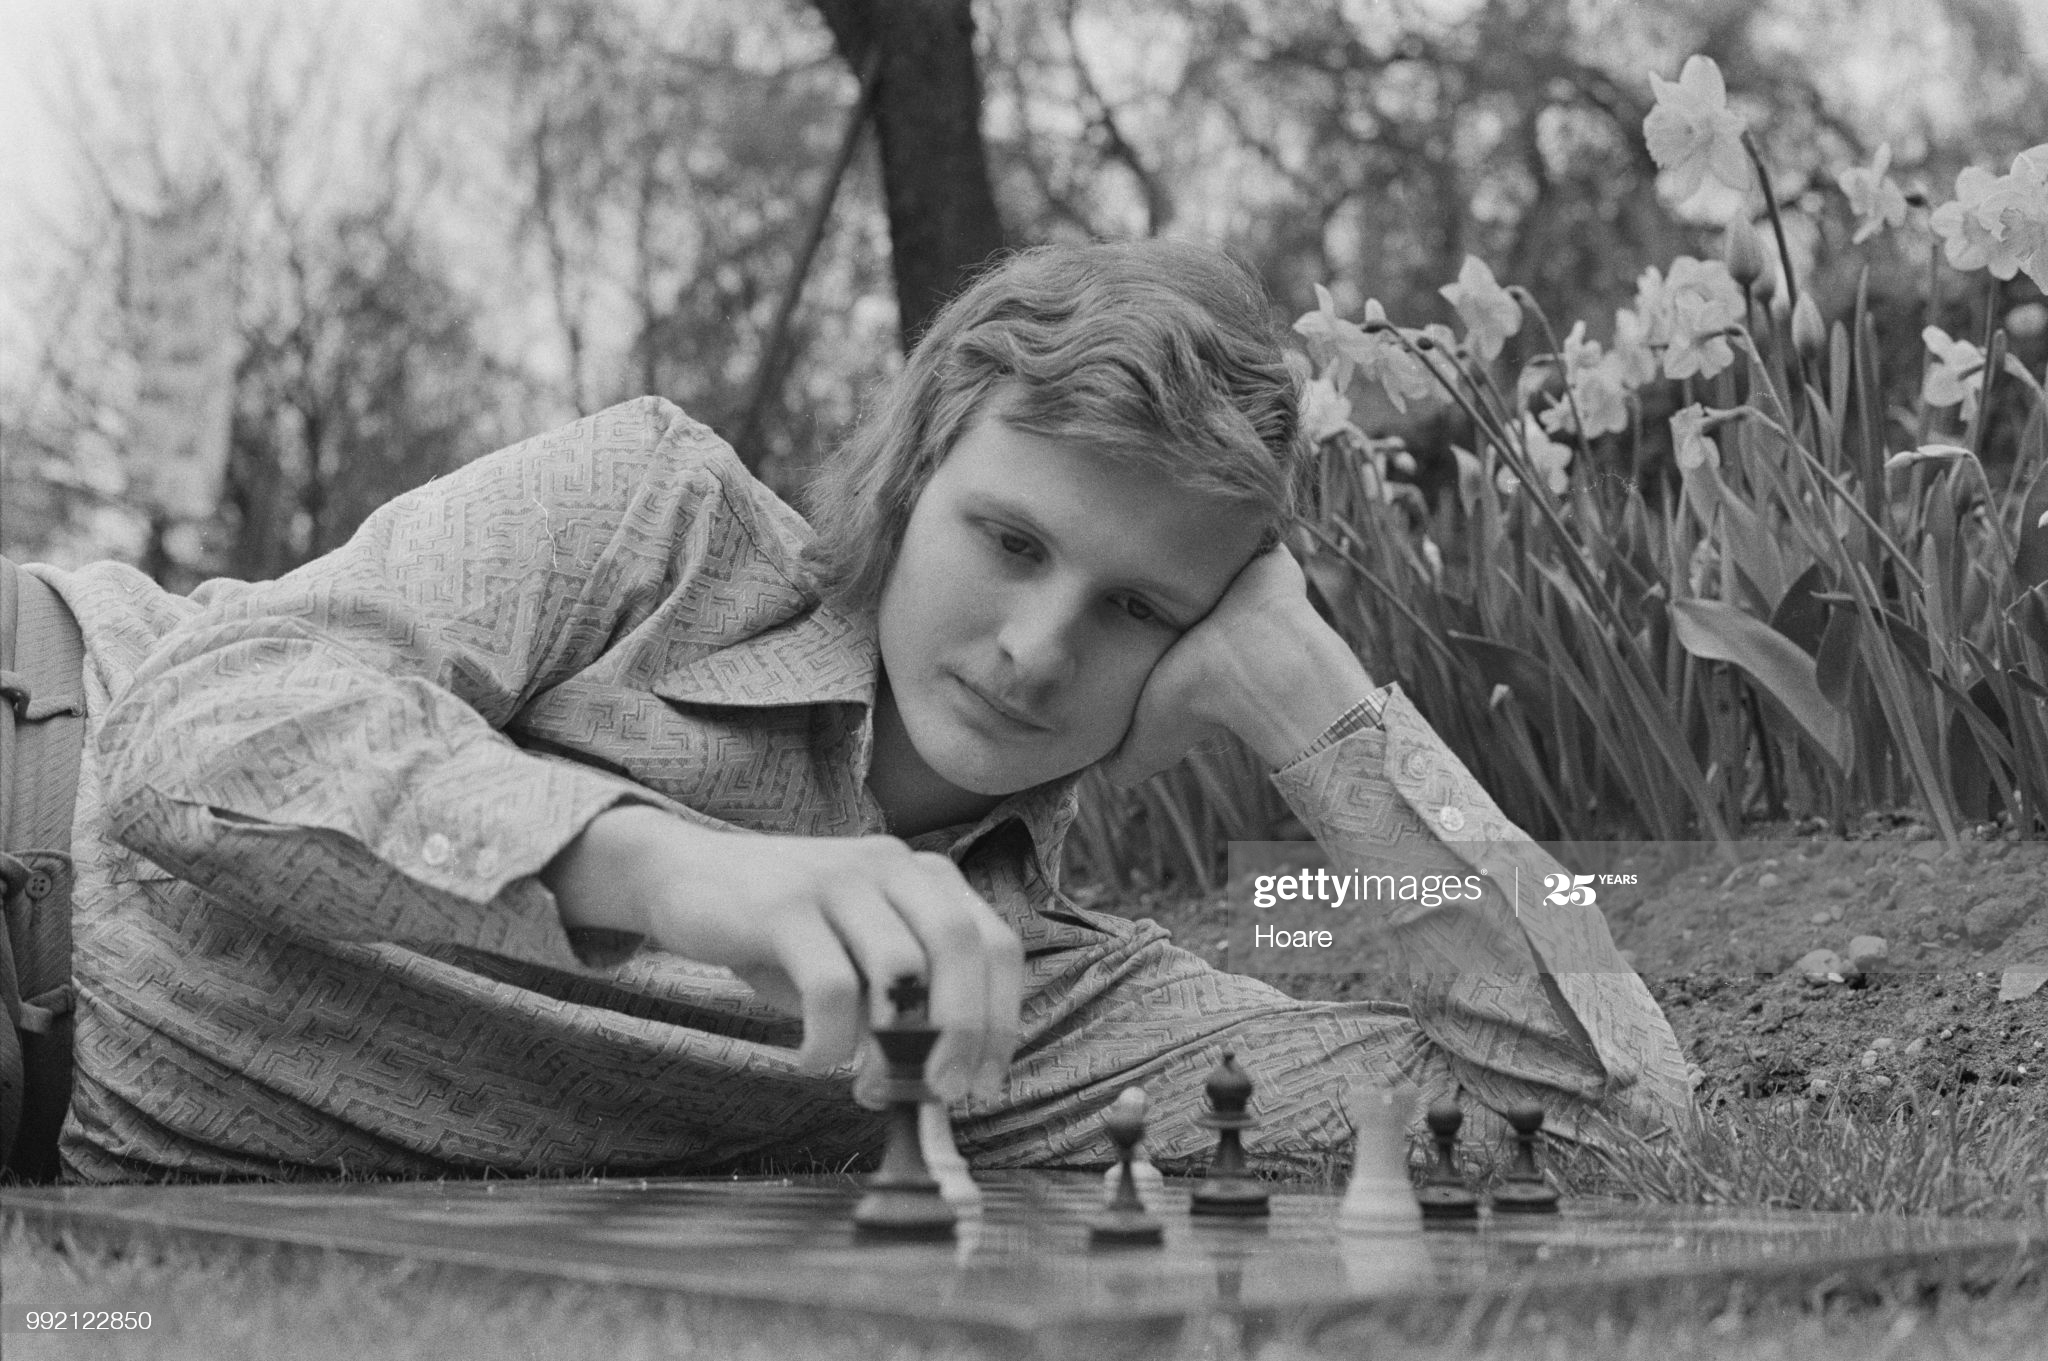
1384 360
1597 385
1489 314
1701 300
1689 442
1634 357
1956 375
2015 208
1548 456
1692 134
1331 339
1877 202
1967 239
1325 412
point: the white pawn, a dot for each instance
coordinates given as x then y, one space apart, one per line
942 1157
1144 1175
1380 1196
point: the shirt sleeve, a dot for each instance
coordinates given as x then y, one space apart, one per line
1518 992
325 750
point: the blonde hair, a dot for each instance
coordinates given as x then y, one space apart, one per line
1157 354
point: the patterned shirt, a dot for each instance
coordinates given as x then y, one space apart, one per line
309 938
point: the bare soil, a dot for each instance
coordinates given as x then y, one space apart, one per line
1720 946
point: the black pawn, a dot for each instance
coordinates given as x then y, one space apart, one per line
1124 1222
903 1200
1523 1189
1443 1195
1228 1189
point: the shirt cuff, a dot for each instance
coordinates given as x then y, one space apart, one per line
1360 716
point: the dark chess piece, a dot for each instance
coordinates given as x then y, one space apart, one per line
1523 1189
1123 1222
1228 1189
903 1200
1443 1195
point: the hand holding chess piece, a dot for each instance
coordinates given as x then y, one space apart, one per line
1124 1221
903 1200
1380 1195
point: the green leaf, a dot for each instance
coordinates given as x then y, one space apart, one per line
1800 616
1834 667
1719 632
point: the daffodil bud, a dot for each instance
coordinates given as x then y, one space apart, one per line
1809 332
1743 250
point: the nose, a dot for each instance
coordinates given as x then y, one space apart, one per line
1040 634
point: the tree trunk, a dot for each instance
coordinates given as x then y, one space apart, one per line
942 206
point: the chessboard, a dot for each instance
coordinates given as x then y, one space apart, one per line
1021 1272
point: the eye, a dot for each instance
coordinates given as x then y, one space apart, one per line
1010 542
1137 609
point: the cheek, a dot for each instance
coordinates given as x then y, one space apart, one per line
1116 677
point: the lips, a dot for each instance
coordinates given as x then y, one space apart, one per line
1013 716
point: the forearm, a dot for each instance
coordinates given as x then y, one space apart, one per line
1512 986
1285 683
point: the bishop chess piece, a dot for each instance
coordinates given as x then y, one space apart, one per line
903 1200
1380 1196
1124 1222
1523 1189
1228 1189
1444 1195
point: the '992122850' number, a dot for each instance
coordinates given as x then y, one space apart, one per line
87 1320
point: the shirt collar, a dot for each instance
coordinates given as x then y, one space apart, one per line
1044 811
813 655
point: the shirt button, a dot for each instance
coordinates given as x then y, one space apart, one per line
435 850
1450 818
486 863
39 885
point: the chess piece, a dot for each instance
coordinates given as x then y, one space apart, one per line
1380 1196
1124 1222
1148 1177
1523 1189
1443 1195
903 1200
1228 1189
942 1158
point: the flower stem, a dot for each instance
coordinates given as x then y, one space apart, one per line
1557 353
1763 179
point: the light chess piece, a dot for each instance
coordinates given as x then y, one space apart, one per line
1380 1195
942 1158
1228 1189
903 1199
1523 1189
1443 1195
1124 1222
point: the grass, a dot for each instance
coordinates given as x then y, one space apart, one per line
1978 1155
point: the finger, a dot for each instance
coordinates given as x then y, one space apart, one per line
882 945
829 987
952 922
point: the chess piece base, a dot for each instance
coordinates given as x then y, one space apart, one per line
1124 1229
1521 1197
913 1212
1447 1203
1230 1197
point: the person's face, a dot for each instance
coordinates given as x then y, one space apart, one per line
1035 588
